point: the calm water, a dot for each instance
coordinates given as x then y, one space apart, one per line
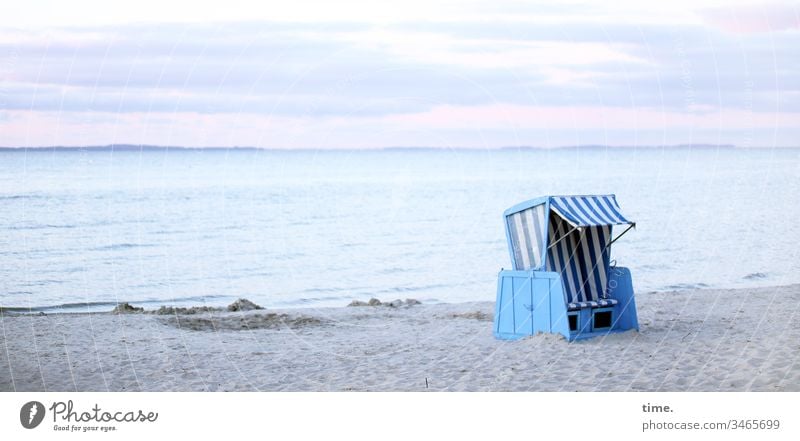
323 228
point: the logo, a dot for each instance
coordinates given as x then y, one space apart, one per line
31 414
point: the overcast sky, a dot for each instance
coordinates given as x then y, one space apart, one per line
351 74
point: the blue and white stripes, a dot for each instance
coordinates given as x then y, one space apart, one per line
585 211
581 257
526 230
573 239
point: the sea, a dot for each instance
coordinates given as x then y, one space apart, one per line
84 229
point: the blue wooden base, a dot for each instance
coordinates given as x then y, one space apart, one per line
531 302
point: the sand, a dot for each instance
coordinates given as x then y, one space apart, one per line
703 340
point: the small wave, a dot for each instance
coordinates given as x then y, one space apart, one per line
101 306
654 267
683 286
401 289
66 307
42 282
184 299
755 276
307 300
302 301
123 246
392 270
168 232
42 227
352 245
22 196
324 290
233 227
289 256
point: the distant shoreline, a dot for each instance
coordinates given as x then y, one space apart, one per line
155 148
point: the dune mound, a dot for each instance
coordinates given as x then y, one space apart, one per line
229 322
393 304
126 308
243 305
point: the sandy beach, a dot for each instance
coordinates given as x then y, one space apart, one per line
701 340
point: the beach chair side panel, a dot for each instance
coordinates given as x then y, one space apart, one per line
558 307
620 287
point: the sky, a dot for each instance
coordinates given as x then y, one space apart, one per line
351 74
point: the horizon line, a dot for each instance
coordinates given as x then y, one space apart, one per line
148 147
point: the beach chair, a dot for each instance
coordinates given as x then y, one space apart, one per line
562 279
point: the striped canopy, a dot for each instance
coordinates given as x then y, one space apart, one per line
572 240
588 211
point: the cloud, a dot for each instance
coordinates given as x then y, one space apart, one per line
589 117
754 18
344 73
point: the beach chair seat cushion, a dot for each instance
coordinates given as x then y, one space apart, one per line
600 303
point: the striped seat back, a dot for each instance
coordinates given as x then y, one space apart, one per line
581 258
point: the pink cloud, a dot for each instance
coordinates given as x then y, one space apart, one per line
46 128
754 18
505 116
